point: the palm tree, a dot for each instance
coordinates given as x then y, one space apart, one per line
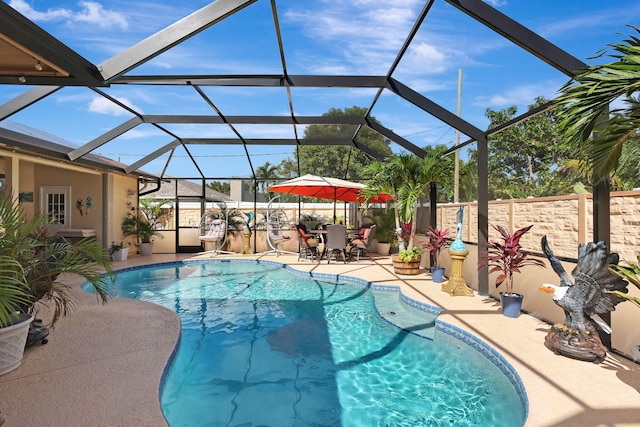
38 261
586 99
407 177
266 173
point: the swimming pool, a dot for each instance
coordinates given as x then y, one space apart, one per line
262 346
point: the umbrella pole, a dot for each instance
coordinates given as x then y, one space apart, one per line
335 196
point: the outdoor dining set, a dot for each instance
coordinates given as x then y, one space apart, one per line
335 241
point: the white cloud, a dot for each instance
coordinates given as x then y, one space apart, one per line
362 35
89 13
426 58
49 15
102 105
94 13
496 3
521 96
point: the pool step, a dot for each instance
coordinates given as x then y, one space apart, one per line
404 316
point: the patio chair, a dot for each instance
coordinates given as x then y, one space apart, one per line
362 245
308 244
336 243
278 228
216 234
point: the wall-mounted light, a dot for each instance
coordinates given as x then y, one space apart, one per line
38 66
22 79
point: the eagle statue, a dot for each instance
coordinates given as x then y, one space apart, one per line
583 300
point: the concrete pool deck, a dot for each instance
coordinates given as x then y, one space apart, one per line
103 364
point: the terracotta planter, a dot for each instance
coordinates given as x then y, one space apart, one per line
407 268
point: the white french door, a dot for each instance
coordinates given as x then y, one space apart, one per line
55 201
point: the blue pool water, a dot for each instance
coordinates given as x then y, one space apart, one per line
262 346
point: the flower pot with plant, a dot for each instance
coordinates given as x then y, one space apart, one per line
408 178
407 261
507 257
385 232
437 240
144 231
118 251
31 261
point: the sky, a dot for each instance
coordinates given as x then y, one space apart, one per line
320 37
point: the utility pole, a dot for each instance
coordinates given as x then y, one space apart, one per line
456 169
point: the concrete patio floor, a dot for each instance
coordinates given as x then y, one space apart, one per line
103 365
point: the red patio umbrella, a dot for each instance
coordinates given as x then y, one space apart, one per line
327 188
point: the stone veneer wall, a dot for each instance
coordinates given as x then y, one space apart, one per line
565 220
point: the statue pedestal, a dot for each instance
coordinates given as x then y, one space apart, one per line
247 242
457 286
578 345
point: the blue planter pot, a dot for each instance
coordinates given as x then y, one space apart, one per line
437 274
511 304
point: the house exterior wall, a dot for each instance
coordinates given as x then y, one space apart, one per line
108 191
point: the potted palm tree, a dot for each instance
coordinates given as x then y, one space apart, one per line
506 257
407 177
144 231
14 326
30 263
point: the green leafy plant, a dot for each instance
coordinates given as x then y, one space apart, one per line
437 240
31 261
156 211
135 225
14 289
631 273
385 229
407 177
410 255
507 256
115 247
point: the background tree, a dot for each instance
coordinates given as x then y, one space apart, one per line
526 159
336 161
220 186
266 174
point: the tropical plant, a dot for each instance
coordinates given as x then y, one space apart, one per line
135 225
115 247
584 103
385 231
407 177
267 174
14 289
631 273
235 218
31 261
437 240
156 211
507 256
